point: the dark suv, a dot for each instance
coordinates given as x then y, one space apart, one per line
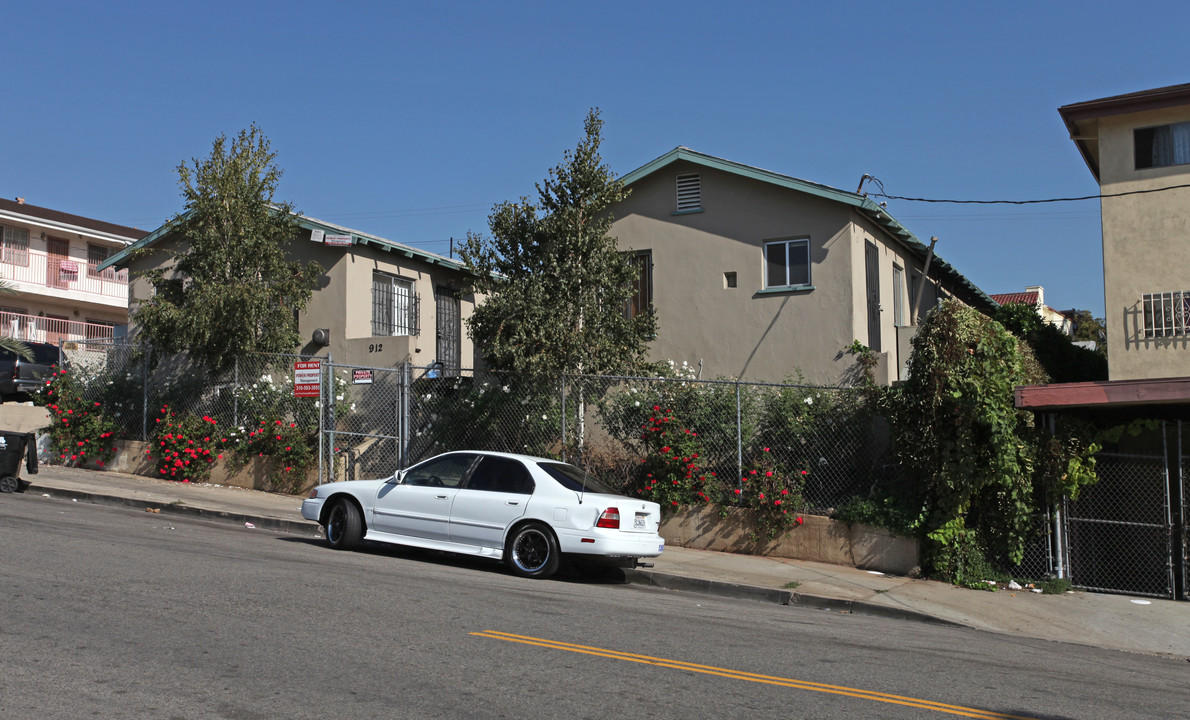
18 375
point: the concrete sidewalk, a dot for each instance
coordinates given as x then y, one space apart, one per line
1159 627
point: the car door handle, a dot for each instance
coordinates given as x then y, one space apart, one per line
512 502
440 497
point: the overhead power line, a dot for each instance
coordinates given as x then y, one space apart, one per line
882 194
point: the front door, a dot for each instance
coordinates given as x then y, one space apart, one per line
449 327
419 505
57 266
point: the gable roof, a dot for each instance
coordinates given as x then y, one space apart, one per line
358 237
9 208
967 290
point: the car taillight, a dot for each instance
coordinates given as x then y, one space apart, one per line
610 518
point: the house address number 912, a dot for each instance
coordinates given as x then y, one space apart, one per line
375 347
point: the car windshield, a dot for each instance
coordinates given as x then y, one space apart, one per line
575 479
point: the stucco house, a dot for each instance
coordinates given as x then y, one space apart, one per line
380 303
51 259
761 276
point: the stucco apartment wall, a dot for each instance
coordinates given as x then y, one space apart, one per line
1145 248
743 331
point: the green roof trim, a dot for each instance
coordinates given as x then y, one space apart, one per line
862 204
358 237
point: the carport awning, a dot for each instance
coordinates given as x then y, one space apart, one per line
1104 395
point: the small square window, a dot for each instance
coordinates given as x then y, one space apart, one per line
729 279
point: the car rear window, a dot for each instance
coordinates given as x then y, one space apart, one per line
45 354
575 479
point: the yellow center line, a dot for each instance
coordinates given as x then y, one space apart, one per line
751 677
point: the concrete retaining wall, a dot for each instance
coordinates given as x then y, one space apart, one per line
133 459
820 539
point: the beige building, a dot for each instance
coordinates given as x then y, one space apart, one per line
761 276
1138 148
380 303
51 259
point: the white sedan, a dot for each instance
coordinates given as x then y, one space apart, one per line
527 511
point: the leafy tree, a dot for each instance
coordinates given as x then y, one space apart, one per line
556 285
230 288
980 465
1062 359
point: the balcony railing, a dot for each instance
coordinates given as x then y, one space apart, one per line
34 267
33 328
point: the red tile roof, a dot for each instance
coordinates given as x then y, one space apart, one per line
1024 298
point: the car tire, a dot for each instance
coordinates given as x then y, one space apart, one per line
344 526
532 551
9 484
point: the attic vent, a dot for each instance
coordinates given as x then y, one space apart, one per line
689 192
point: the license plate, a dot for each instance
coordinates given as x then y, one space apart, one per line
639 522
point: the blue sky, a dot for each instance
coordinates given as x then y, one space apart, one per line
410 120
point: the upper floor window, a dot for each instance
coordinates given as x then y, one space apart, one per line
14 248
96 254
1162 146
786 263
689 192
1166 314
394 306
641 300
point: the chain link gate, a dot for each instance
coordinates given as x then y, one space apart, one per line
1119 530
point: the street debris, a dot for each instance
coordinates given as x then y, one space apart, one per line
1014 585
152 510
1141 602
249 525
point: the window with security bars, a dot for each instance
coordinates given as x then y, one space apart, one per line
14 247
394 306
689 192
96 254
1166 314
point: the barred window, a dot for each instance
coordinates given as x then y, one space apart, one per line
394 306
1166 314
14 250
96 254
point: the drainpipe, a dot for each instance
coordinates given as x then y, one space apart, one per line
925 274
1059 547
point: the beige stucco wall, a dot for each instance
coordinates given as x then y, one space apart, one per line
1144 247
342 303
744 332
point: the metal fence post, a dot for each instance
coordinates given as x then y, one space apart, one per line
562 384
739 438
330 409
144 392
235 394
403 440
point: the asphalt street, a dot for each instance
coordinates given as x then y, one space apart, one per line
116 613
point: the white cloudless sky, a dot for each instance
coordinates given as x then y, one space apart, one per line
409 120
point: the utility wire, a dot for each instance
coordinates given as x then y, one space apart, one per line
882 194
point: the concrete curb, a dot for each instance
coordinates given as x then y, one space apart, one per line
737 591
264 523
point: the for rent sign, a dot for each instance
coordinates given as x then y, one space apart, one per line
307 378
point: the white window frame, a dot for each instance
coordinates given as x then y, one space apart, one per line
791 246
